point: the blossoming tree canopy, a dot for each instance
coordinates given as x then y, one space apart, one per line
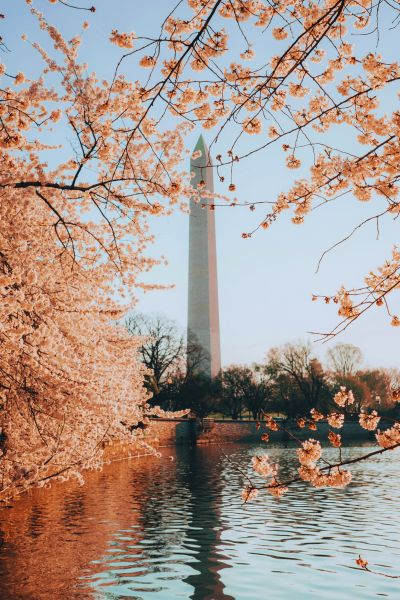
73 234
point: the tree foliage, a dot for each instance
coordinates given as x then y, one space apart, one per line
299 378
244 389
292 380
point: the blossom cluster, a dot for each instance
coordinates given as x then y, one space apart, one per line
313 468
390 437
369 421
123 40
262 466
344 397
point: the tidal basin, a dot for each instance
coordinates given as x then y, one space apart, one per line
165 529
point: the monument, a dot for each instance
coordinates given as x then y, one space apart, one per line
203 315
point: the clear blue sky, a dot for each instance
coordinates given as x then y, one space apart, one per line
266 282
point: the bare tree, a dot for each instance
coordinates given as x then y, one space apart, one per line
344 359
163 348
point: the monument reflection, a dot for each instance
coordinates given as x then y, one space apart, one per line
180 528
206 524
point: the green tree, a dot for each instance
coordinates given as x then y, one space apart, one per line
299 380
201 394
236 382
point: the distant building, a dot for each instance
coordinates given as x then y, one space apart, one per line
204 354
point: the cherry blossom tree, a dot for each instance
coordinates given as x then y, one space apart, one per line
74 228
73 234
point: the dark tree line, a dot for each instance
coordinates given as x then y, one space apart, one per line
290 382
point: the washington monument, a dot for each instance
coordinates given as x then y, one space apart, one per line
203 314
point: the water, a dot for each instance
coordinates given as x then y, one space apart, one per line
155 529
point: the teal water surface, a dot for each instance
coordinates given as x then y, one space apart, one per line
163 529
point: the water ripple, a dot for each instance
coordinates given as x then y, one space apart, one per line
153 529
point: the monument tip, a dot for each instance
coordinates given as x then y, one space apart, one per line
201 145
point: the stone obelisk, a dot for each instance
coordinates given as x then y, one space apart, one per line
203 315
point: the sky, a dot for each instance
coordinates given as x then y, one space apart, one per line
265 282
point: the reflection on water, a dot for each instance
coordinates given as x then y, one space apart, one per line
162 530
